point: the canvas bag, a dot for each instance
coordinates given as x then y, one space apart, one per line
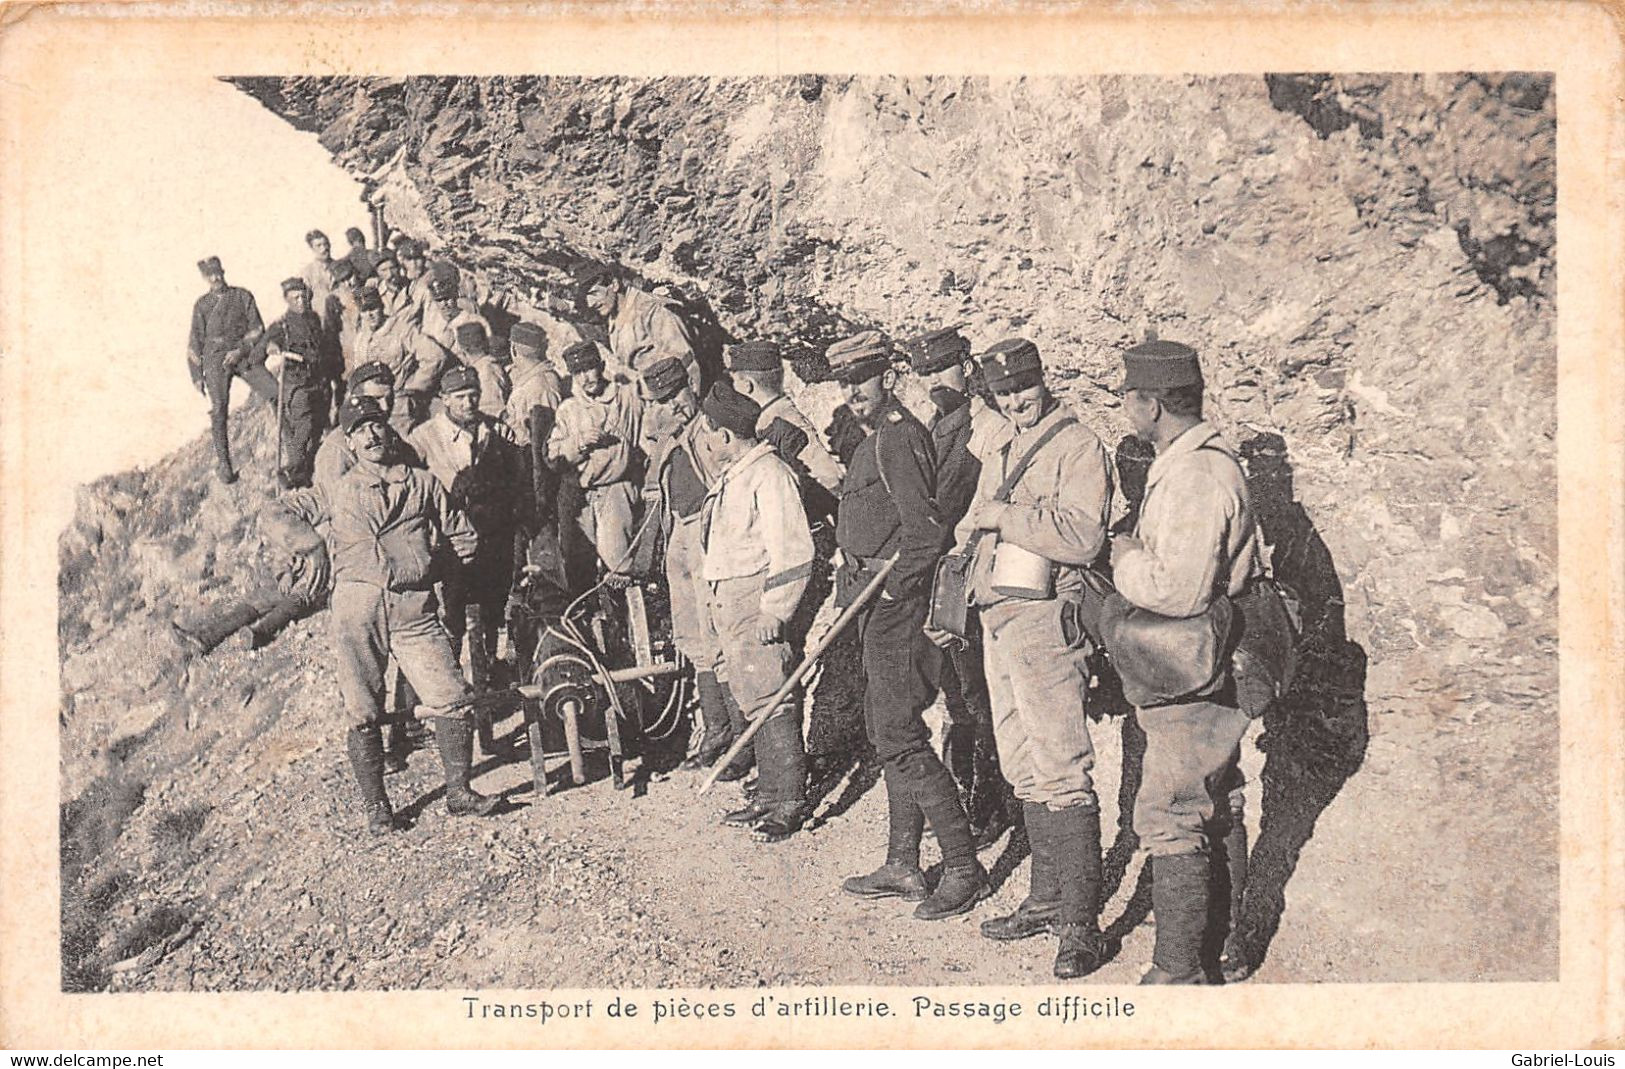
950 584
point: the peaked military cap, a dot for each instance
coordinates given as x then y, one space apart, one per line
527 334
370 299
295 283
357 410
472 336
931 353
727 407
372 370
860 357
210 266
1011 365
343 270
665 378
582 356
754 356
1160 365
458 377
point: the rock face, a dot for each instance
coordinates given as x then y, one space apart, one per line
1366 263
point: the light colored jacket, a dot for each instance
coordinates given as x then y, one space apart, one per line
752 523
534 383
819 461
644 331
1197 535
618 411
1058 509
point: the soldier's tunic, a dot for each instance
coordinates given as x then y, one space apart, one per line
307 384
757 556
534 383
888 506
816 458
384 528
1198 539
495 386
223 323
643 331
483 475
606 515
1058 509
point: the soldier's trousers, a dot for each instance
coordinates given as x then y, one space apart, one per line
607 520
754 671
1191 767
1037 689
691 628
217 381
370 625
304 417
485 581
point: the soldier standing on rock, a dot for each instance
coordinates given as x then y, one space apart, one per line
386 526
1045 498
309 367
888 507
1196 539
964 430
225 325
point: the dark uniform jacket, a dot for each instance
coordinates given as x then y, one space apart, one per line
223 321
957 468
302 333
888 502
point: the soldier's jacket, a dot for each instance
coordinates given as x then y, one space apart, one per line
888 501
533 384
302 333
817 460
753 524
388 344
335 457
318 275
385 527
223 321
618 411
680 476
1058 509
495 386
962 439
480 467
1196 536
644 331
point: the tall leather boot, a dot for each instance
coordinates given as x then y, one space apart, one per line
1076 835
264 630
782 777
1234 965
213 626
739 767
1041 909
964 881
366 749
989 815
718 734
456 741
900 876
1179 901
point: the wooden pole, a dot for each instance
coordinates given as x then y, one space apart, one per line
817 651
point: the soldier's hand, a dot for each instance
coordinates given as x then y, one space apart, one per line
766 629
942 640
987 516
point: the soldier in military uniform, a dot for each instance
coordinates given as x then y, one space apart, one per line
225 325
1195 539
310 365
964 429
755 558
597 437
642 328
1043 501
888 509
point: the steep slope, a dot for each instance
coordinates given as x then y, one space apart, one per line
1367 264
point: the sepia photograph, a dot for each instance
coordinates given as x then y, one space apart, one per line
841 539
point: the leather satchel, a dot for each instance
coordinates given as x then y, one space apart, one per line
1163 659
1265 635
951 582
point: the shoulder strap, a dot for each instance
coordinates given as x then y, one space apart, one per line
1026 460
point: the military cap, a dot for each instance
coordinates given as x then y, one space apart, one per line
665 378
357 410
726 407
343 270
371 299
1160 365
527 334
582 356
940 349
588 272
354 235
754 356
443 286
1011 365
860 357
458 377
409 249
295 283
312 235
472 336
371 371
386 256
210 266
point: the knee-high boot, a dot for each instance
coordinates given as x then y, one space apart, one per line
1179 901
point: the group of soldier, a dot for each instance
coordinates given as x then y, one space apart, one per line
420 503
